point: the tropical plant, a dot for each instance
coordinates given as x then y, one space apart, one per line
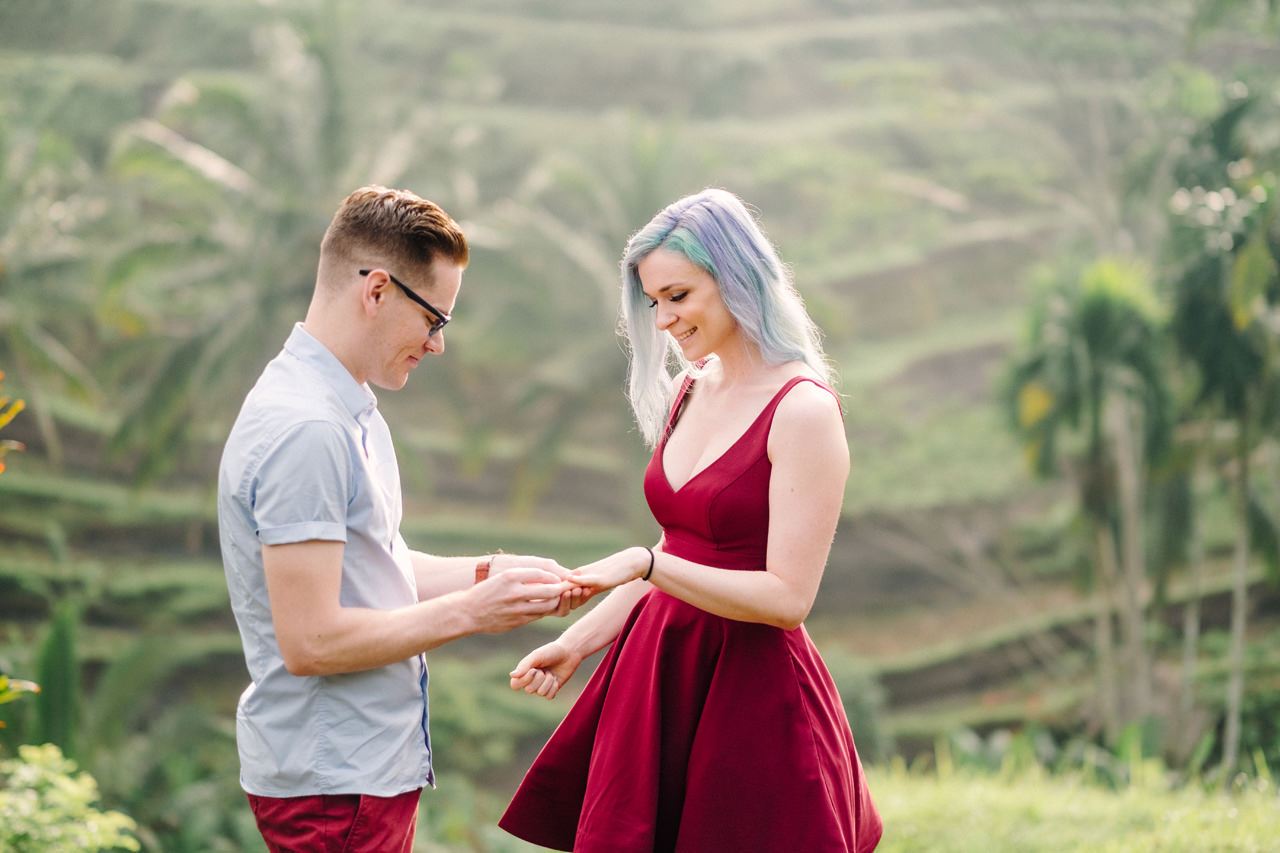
59 703
1224 246
54 112
1087 395
560 233
240 191
155 759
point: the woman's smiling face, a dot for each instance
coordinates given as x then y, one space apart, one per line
687 304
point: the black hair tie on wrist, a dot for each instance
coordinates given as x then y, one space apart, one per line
646 574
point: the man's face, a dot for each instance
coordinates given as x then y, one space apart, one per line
402 333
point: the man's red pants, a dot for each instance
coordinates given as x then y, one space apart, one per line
338 823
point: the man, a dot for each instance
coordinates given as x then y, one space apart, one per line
334 610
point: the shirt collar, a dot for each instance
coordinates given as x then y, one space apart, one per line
358 399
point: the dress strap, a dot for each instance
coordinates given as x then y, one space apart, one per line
676 406
766 416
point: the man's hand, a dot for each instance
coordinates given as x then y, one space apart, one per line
505 562
516 596
572 599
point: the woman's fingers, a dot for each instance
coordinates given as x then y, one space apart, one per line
536 682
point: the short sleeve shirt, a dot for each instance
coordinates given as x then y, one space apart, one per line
310 458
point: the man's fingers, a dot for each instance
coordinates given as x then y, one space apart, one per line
545 564
526 574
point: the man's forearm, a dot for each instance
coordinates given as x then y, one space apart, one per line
437 576
359 638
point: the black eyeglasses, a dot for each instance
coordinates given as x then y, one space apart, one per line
441 319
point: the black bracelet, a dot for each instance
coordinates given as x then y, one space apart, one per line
646 574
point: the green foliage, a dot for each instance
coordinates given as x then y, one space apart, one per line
477 720
145 733
58 671
1092 338
1019 791
864 703
46 806
9 409
1224 237
166 170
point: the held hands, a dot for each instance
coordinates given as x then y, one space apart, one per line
518 596
572 598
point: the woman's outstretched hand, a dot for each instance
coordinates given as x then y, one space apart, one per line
614 570
545 670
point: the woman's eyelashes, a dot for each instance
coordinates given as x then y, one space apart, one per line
677 297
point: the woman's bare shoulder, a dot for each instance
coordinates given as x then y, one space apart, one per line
809 405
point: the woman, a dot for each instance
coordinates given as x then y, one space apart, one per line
712 723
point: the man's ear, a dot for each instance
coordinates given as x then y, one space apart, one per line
374 289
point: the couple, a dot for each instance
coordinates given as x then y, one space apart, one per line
711 724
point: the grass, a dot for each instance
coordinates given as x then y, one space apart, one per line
974 812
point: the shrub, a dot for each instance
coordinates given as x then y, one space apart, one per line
47 807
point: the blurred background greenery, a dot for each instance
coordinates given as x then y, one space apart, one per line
1040 236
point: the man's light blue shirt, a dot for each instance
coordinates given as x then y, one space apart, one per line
310 457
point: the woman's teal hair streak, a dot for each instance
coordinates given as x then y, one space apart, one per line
714 230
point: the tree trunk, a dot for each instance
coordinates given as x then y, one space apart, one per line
1136 672
1191 612
1104 581
1239 603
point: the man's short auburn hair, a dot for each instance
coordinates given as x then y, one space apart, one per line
376 225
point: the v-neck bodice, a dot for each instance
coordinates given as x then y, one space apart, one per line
705 520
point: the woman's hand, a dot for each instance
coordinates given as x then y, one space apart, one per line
545 670
614 570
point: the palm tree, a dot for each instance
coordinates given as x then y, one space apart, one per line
1226 290
237 190
51 201
560 233
1090 375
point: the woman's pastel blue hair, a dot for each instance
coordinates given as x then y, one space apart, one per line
714 230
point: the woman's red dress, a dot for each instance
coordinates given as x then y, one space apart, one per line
699 733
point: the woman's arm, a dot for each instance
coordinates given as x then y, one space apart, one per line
810 460
547 668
